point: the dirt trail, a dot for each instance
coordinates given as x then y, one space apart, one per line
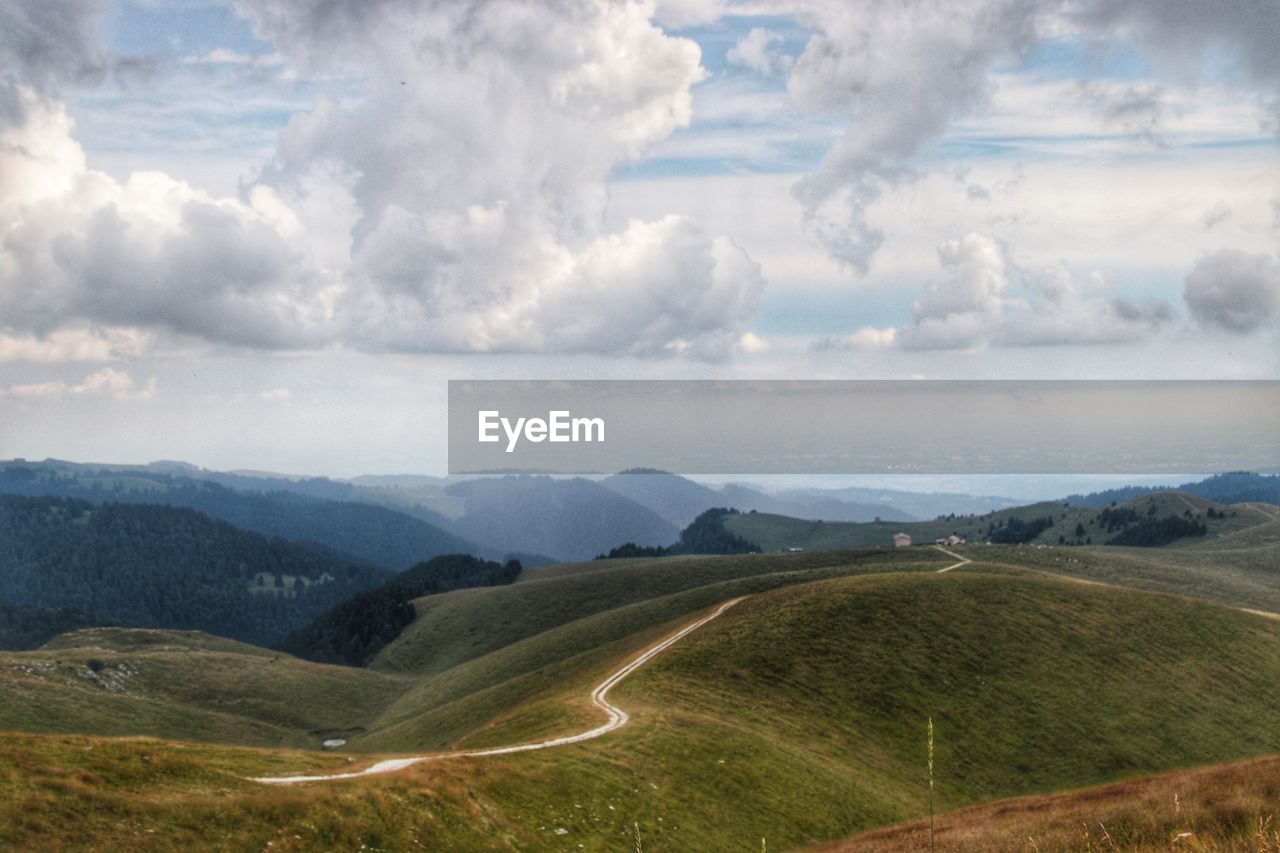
963 560
599 697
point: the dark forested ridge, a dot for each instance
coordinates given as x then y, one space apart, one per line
364 532
1233 488
25 627
356 630
166 567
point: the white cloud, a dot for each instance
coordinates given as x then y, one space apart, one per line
756 51
980 305
83 343
865 339
900 75
1234 292
903 75
226 56
107 382
678 14
460 207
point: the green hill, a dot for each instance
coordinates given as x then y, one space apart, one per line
458 626
357 629
797 716
186 685
1045 523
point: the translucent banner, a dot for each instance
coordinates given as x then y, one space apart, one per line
863 427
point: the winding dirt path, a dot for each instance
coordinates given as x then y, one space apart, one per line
963 560
617 718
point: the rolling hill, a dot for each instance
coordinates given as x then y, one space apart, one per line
1045 523
357 629
185 684
798 716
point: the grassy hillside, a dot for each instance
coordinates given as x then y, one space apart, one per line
1226 807
184 685
518 690
1070 524
1239 569
466 624
797 716
357 629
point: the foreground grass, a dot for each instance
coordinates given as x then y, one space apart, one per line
1234 807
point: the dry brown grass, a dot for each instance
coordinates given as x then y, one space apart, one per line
1232 807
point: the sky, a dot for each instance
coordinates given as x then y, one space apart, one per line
265 233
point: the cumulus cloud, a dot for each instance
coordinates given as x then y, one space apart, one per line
82 343
678 14
756 51
1180 31
46 44
984 302
866 338
1234 292
902 74
107 382
459 207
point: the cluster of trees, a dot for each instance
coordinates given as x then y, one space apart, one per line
706 534
631 549
1016 531
164 567
1156 532
1113 518
355 631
